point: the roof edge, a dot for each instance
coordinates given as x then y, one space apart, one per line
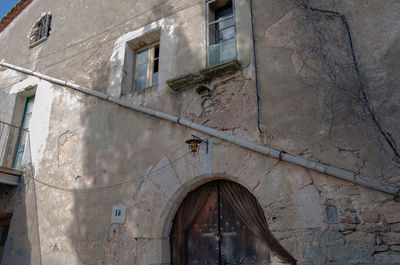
13 13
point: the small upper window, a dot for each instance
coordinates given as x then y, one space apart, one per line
146 66
41 29
221 31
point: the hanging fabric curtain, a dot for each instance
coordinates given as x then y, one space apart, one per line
250 212
186 214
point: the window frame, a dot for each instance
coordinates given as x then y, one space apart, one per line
208 8
24 132
225 50
150 65
41 30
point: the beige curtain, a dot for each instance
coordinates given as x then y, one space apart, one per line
186 214
250 212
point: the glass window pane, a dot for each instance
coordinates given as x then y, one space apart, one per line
140 83
155 79
226 23
141 70
155 66
227 51
223 12
142 57
156 51
226 34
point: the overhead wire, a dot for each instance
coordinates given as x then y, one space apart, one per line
110 186
181 8
98 45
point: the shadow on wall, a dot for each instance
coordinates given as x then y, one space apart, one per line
115 145
23 241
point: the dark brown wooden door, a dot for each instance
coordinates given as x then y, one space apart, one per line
217 236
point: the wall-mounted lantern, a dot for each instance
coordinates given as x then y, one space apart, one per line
194 144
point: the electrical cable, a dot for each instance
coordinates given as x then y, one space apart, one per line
183 7
111 186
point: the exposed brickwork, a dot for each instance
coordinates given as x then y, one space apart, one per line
15 11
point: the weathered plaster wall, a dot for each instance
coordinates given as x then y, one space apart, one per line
294 109
7 200
92 143
89 143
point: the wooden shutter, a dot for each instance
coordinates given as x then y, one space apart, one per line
44 27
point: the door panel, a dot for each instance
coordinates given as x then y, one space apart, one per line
218 236
201 246
4 226
238 244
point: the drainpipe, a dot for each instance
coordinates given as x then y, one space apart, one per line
255 67
275 153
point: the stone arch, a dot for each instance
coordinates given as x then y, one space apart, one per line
268 180
197 184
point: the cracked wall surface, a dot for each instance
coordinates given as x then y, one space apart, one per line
95 155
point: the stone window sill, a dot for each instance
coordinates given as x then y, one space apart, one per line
207 74
33 44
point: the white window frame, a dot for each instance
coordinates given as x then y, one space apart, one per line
150 65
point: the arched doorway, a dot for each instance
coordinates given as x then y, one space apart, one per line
221 223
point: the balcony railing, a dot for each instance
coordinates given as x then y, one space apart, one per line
221 52
13 145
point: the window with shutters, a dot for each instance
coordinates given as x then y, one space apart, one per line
41 29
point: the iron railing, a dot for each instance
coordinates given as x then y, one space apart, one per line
14 142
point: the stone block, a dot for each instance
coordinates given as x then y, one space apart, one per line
391 238
395 227
395 248
302 209
354 190
149 251
370 228
150 198
369 215
347 227
144 224
189 167
283 180
164 176
250 168
360 238
332 215
387 258
349 216
321 180
381 248
391 211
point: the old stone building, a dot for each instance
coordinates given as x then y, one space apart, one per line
293 105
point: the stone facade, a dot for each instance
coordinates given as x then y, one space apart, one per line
90 156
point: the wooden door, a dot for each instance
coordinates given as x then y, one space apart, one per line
218 236
4 227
